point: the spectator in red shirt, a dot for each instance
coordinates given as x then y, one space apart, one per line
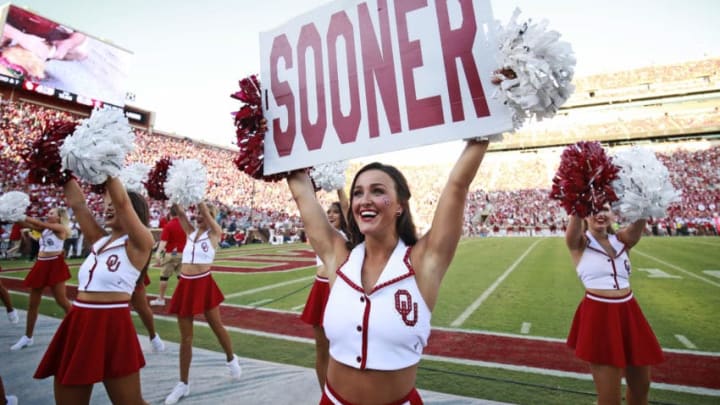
169 253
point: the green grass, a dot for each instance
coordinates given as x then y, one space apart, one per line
542 289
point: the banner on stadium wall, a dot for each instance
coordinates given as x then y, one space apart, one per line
357 78
42 56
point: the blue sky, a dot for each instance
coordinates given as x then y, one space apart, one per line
189 55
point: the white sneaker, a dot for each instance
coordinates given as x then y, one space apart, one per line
23 342
235 369
157 344
11 400
157 302
13 316
180 390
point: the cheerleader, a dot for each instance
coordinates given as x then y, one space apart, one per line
317 299
49 270
97 340
609 313
197 293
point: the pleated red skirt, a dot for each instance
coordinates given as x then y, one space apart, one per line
613 331
317 300
47 271
195 294
94 342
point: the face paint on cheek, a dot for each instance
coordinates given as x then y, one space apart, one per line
386 201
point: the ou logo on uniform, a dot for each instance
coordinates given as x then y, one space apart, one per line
405 306
113 263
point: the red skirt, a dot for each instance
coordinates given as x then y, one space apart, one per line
195 294
47 271
317 300
613 331
330 397
94 342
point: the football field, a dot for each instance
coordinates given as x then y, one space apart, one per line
521 289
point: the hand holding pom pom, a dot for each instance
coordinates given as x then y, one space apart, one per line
536 69
98 147
582 183
13 206
157 176
329 176
643 185
43 156
251 129
186 182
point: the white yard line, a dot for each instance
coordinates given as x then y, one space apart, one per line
258 303
269 287
525 328
680 269
475 305
685 341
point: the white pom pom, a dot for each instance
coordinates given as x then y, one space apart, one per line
98 147
329 176
186 182
643 186
543 65
133 176
13 205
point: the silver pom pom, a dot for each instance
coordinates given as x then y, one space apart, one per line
643 185
98 147
186 182
329 176
543 65
13 205
133 176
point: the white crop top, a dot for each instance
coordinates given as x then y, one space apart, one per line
108 268
200 251
597 269
384 330
49 242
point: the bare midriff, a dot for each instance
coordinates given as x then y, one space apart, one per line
50 254
193 269
609 293
370 386
102 296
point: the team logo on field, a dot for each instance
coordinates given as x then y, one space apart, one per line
113 263
405 306
204 246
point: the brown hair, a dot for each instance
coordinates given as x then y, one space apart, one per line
140 206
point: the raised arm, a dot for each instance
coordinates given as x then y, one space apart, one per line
630 235
140 239
60 230
344 203
320 233
92 231
575 237
434 251
215 230
184 221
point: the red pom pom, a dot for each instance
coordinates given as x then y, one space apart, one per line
43 155
582 183
251 129
157 176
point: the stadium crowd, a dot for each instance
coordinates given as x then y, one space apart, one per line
508 197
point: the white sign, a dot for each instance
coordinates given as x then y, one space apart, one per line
357 78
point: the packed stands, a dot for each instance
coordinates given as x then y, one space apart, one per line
509 195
